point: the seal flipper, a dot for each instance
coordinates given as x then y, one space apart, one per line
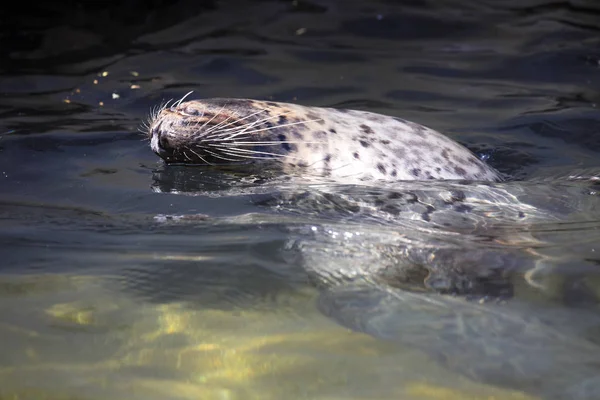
493 343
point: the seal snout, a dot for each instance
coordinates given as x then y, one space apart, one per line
160 143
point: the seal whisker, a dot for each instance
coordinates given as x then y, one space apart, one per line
281 126
238 120
267 143
157 110
219 156
233 131
209 121
217 138
244 128
220 143
178 103
253 157
144 129
152 115
227 140
255 122
199 156
249 151
163 107
233 153
186 156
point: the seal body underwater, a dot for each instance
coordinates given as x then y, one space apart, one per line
343 145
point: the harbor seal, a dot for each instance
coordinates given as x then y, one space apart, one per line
344 145
431 263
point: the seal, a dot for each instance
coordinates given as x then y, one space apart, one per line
343 145
432 265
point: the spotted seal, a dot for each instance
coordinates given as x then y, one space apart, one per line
335 143
404 259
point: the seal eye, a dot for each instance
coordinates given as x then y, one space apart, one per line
190 112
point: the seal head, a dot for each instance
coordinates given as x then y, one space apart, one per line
345 145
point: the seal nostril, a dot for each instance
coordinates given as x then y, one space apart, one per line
163 142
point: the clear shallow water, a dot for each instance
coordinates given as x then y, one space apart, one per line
103 294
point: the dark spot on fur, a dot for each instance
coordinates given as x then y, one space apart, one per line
271 104
438 169
445 154
390 209
379 202
415 172
460 171
332 130
302 164
282 119
320 134
423 144
355 154
521 214
395 195
364 143
384 142
381 168
427 214
284 146
394 173
463 208
419 131
366 129
327 165
297 134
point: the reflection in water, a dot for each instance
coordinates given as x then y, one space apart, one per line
380 255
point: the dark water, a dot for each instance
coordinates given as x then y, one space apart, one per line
124 278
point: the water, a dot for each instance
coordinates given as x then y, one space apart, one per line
124 278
